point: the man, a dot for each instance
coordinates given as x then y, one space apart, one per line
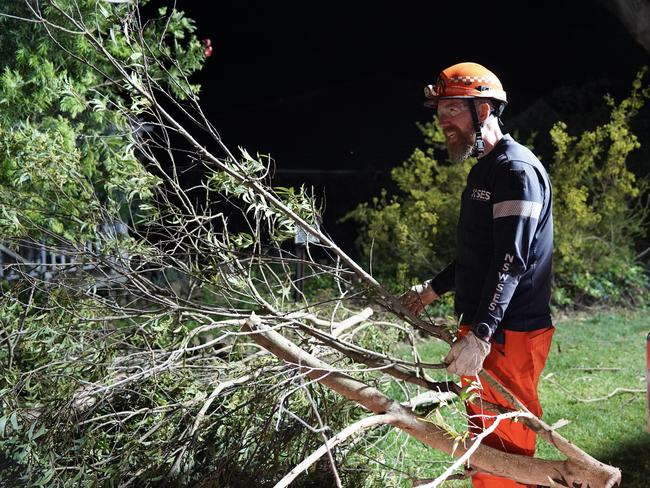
502 272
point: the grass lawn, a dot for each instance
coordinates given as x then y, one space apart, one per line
591 356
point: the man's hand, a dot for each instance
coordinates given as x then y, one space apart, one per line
467 355
418 297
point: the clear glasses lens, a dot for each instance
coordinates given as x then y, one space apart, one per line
450 111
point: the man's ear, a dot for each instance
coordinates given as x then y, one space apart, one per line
484 110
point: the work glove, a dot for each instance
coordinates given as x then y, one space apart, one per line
418 297
467 355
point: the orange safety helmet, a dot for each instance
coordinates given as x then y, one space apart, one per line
465 80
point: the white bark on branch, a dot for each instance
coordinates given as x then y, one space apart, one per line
351 430
337 327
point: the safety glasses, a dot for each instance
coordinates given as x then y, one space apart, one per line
450 111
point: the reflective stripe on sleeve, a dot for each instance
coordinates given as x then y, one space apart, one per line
520 208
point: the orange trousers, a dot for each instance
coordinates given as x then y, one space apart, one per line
517 364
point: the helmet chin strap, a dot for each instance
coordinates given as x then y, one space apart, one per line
479 145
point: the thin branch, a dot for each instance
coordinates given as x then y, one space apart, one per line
355 428
476 443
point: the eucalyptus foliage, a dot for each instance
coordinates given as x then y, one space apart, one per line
126 366
67 121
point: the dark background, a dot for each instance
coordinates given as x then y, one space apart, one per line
332 90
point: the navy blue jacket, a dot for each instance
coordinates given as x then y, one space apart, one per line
502 271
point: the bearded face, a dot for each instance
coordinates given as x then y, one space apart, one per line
456 123
460 144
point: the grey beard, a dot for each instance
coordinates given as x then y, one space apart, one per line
462 150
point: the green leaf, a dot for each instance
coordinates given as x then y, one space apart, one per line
14 422
47 476
39 432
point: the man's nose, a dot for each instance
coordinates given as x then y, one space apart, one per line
443 120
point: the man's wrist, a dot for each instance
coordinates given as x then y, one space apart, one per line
482 331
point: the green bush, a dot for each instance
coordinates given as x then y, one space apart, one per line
138 429
68 160
409 236
597 210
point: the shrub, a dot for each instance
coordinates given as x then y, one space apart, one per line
597 206
412 234
140 428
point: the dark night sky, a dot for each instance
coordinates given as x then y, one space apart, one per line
264 50
338 85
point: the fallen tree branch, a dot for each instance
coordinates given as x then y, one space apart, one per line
579 469
430 397
582 368
617 391
389 365
337 327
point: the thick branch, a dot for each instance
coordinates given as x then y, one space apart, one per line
521 468
545 431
